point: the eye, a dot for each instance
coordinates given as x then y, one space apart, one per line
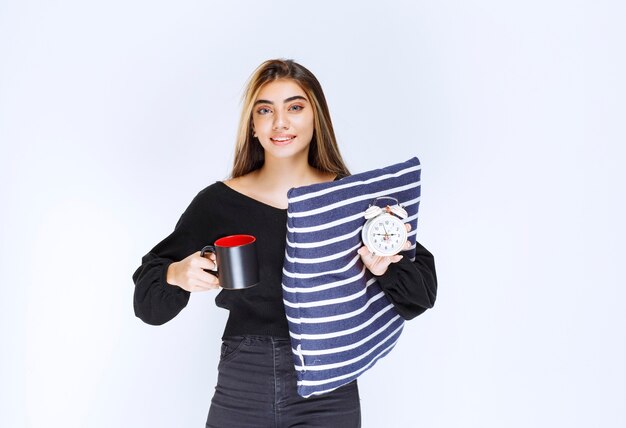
264 110
296 107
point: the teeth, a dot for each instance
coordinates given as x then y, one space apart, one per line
282 139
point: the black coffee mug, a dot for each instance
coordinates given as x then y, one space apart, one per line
237 263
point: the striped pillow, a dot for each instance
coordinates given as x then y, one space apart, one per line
340 321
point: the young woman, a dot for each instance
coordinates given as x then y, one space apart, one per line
285 140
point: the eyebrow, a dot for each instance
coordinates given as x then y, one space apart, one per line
295 97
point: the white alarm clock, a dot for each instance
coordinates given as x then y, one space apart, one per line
384 232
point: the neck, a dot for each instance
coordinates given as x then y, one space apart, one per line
286 173
270 183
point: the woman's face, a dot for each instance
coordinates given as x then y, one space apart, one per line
282 119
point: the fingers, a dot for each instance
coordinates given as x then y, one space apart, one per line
196 276
204 277
210 256
396 258
363 251
212 259
408 226
203 281
378 264
369 257
196 261
194 288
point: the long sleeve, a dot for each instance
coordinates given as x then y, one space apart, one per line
411 286
219 211
155 301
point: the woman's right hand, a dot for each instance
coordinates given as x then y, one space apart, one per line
189 273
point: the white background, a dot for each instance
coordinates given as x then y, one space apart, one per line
113 115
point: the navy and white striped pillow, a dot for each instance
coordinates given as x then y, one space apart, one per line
340 321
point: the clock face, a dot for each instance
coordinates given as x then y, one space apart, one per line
384 235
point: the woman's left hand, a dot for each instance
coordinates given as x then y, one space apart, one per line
378 264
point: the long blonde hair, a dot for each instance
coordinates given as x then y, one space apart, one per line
323 152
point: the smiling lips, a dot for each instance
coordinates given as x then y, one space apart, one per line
282 139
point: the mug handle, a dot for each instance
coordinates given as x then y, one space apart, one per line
209 249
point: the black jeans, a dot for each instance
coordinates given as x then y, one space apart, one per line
256 387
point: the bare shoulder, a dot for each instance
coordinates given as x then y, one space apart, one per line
243 184
257 187
250 186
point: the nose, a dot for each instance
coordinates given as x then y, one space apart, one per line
280 121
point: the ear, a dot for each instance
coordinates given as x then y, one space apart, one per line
372 212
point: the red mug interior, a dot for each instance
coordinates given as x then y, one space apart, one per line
235 241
